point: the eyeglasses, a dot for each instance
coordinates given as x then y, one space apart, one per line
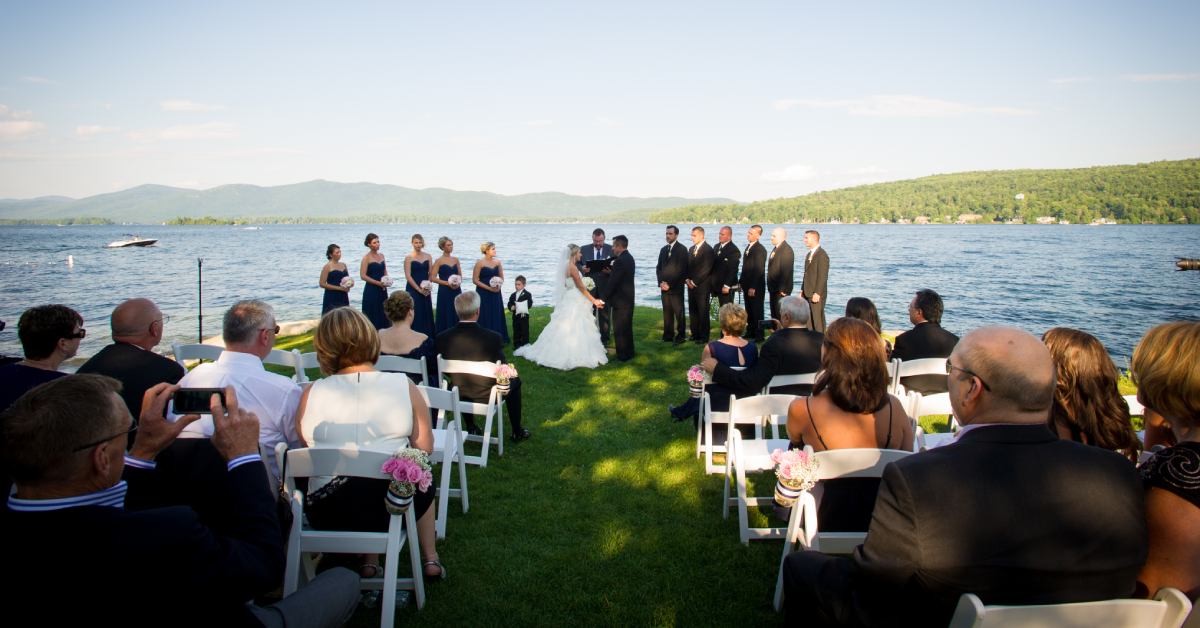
950 369
132 428
82 333
275 328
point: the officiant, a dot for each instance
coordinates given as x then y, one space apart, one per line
597 265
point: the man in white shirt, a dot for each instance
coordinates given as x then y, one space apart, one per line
249 331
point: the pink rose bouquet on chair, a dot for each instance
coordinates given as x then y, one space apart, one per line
410 471
504 376
795 472
695 380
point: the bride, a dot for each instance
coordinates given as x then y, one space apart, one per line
571 340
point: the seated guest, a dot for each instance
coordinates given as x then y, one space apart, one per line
50 335
731 350
390 415
850 408
926 339
249 331
1164 369
1088 408
401 340
791 350
77 503
864 310
137 327
468 341
1009 512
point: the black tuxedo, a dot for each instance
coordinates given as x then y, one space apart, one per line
672 269
700 270
926 340
618 297
137 369
1009 513
789 351
780 269
520 321
725 270
816 279
468 341
754 278
601 278
146 566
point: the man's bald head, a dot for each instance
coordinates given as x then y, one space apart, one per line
137 321
1017 369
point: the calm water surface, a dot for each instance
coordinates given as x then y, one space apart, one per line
1114 281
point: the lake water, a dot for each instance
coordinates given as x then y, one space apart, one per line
1114 281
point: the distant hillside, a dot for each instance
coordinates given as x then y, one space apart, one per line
1158 192
327 200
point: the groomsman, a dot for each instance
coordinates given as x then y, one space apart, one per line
598 251
780 269
700 266
753 282
816 275
672 270
725 270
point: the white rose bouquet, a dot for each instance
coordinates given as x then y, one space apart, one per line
589 283
496 282
386 280
425 285
455 281
346 283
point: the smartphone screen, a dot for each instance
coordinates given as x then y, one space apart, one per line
195 400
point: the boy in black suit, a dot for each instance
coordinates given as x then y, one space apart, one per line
520 320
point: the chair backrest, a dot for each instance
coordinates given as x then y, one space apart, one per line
467 367
765 409
1168 609
1135 407
443 402
398 364
289 359
925 405
922 366
789 380
854 463
351 461
305 362
195 352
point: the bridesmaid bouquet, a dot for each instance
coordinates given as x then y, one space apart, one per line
496 282
346 283
410 471
425 285
589 283
455 281
695 380
386 280
795 472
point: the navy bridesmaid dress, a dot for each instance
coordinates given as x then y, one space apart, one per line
446 316
422 304
374 296
335 298
491 304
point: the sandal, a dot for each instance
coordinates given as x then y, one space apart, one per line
376 570
441 574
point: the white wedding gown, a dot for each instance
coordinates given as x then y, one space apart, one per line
571 340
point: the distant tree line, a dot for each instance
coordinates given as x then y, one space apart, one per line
55 221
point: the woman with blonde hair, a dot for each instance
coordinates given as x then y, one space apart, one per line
491 303
571 339
445 267
731 350
1088 408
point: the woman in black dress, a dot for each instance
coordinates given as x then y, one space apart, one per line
333 275
402 340
373 270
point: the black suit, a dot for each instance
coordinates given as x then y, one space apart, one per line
725 270
137 369
468 341
700 267
520 321
145 567
672 269
618 297
780 269
816 279
789 351
754 278
1009 513
926 340
601 278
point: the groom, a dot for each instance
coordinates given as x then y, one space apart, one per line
617 295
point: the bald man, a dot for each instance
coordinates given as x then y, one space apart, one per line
137 327
1008 511
781 268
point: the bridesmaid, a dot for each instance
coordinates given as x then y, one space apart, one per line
372 270
491 304
331 280
416 271
443 268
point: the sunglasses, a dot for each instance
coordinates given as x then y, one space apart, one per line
950 369
132 428
82 333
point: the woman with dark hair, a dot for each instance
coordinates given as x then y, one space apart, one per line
1088 408
332 276
417 284
864 310
373 270
50 335
850 408
444 268
402 340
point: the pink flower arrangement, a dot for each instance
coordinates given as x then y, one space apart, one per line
695 375
505 373
795 468
410 471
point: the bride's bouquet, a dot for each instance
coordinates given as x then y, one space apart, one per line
386 280
589 283
410 471
795 472
496 282
425 285
346 283
455 281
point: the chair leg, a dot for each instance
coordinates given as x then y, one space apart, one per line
500 426
462 474
725 492
391 567
443 497
743 514
414 554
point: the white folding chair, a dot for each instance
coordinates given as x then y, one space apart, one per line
289 359
802 526
704 433
752 455
448 451
492 411
789 380
923 366
397 364
926 405
1135 407
893 374
1168 609
183 353
303 541
305 362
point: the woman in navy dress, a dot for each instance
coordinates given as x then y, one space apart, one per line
491 304
731 350
445 267
416 272
372 270
402 340
331 279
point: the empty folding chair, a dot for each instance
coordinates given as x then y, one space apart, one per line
751 455
448 451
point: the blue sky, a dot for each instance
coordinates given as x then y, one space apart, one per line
746 100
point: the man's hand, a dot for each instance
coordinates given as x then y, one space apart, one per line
235 431
662 285
599 304
724 289
709 365
154 432
750 292
691 284
816 298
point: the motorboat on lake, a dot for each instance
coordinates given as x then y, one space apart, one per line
131 240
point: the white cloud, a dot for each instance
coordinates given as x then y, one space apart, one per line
41 80
1161 78
607 121
12 130
187 106
794 172
865 170
1067 80
207 131
88 130
900 106
538 122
